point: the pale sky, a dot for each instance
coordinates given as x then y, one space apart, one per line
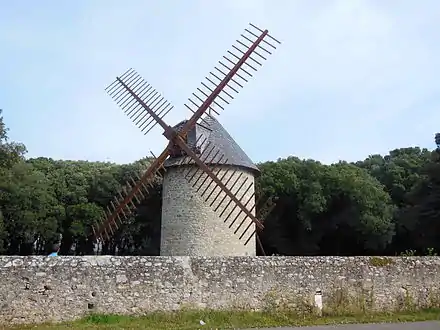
351 78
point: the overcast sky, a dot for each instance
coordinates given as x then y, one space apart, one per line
351 78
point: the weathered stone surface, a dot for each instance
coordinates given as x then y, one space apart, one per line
35 289
192 227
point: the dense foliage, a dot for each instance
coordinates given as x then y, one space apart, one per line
381 205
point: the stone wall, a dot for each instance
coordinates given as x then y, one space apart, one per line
194 225
35 289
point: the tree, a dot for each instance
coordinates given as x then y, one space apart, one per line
2 234
28 208
381 205
398 171
319 204
10 152
420 219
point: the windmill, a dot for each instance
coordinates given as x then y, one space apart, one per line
192 163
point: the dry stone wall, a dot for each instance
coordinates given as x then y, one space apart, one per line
36 289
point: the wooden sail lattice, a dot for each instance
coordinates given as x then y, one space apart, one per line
147 108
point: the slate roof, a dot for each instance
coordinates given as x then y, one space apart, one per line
217 135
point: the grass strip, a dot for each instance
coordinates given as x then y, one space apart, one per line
189 319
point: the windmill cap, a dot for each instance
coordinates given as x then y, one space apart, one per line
217 136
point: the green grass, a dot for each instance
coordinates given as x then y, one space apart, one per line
186 320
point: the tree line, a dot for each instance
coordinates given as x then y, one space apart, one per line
382 205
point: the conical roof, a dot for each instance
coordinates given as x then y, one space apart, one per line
212 131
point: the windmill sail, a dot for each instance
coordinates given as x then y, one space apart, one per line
147 108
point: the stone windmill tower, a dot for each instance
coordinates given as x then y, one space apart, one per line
208 181
189 223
